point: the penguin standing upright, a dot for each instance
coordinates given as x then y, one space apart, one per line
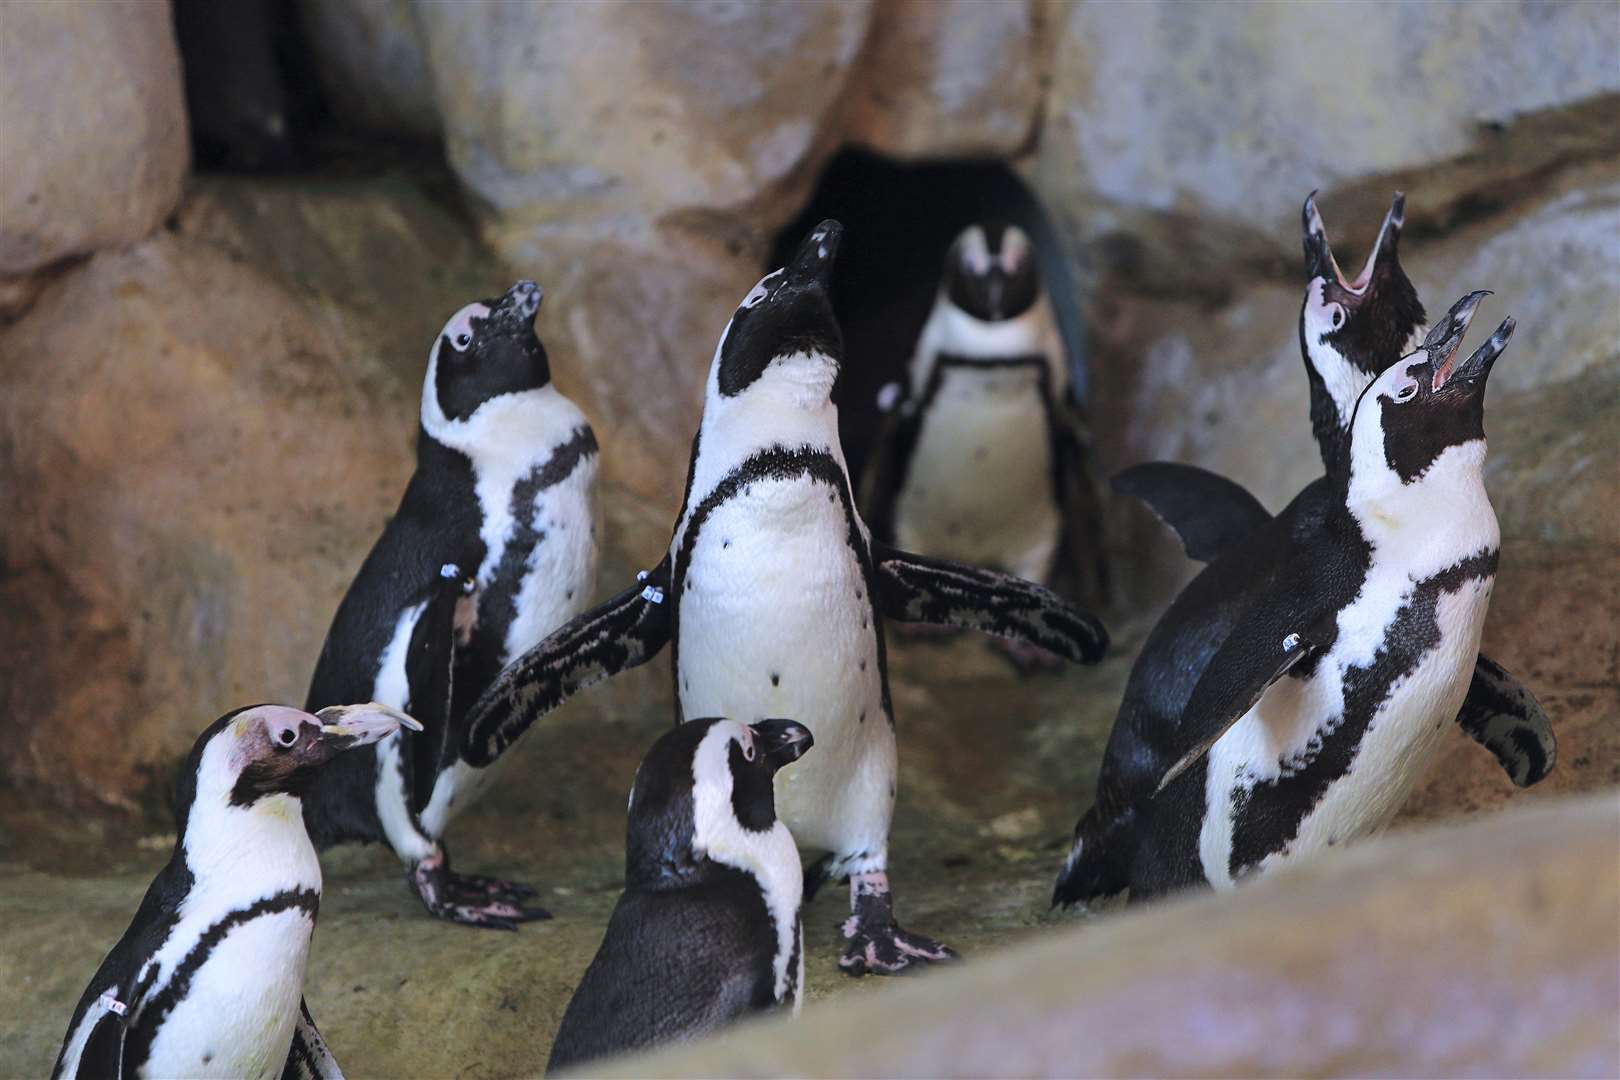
502 507
208 980
1347 638
771 597
983 459
708 927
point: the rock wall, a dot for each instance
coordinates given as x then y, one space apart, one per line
201 430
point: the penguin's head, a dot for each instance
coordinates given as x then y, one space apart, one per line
990 272
706 791
263 751
1427 403
1349 331
487 350
784 332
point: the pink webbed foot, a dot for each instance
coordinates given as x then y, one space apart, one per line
877 944
469 899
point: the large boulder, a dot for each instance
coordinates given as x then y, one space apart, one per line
93 138
1174 131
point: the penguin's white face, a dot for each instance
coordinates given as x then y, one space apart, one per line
267 750
1426 406
990 272
486 351
784 333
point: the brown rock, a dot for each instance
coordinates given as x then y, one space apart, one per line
93 138
1484 948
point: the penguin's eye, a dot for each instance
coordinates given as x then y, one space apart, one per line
462 340
748 750
1406 393
1338 317
287 737
756 296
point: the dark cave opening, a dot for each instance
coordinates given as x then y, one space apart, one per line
899 221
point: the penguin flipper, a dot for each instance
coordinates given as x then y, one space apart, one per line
1502 715
429 672
1082 571
887 462
1259 651
308 1058
916 588
103 1054
1207 511
622 633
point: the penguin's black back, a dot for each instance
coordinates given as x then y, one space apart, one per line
1144 741
674 964
437 522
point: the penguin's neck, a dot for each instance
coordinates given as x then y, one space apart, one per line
245 853
789 408
1442 515
506 432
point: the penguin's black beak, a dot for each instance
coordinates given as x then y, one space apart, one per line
1469 376
1318 256
781 742
1319 260
812 263
344 727
514 312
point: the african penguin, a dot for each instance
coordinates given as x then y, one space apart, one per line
502 505
1349 640
982 458
1349 332
708 927
208 980
771 596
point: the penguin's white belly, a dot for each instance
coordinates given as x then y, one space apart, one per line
775 621
1280 740
237 1018
979 485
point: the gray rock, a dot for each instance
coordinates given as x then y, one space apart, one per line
373 64
93 137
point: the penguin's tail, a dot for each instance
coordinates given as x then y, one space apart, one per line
1099 860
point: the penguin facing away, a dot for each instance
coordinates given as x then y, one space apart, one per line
772 594
708 927
1350 331
208 979
1351 640
983 458
493 547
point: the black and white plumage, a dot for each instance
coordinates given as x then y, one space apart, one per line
1318 659
772 596
208 979
493 547
708 928
1349 332
982 460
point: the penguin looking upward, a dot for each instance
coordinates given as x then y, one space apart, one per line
982 460
772 596
1317 659
493 547
1349 332
208 979
708 928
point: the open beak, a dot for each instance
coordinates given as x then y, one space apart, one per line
349 726
1477 368
812 263
781 742
1446 336
1319 261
